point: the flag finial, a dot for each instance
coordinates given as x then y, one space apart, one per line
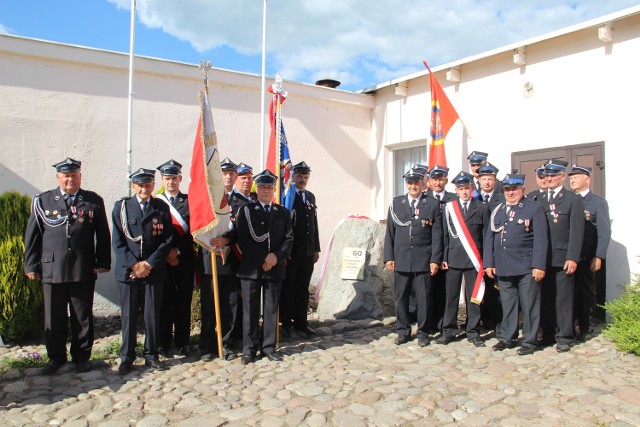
278 84
205 68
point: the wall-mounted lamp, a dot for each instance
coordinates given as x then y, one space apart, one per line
605 33
401 89
520 56
453 75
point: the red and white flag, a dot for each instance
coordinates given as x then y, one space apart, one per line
210 215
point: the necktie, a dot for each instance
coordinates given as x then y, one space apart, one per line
486 199
438 197
550 196
464 208
144 206
65 197
172 199
413 207
266 208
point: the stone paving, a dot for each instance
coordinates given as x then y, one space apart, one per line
351 375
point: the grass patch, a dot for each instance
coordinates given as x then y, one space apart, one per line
22 362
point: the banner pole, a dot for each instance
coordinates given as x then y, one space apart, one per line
216 301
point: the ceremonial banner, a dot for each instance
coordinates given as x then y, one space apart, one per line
443 116
210 214
279 147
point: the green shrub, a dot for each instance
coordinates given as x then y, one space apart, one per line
624 330
14 214
21 300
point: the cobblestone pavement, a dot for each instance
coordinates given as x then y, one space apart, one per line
351 375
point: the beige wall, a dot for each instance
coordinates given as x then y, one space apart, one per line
584 91
60 101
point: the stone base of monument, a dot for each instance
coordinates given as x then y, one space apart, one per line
355 284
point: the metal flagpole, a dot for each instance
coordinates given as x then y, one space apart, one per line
205 68
264 84
130 118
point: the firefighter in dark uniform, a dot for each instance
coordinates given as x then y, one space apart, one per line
463 258
478 159
66 244
491 308
565 215
228 281
294 298
413 251
265 237
175 315
597 235
142 238
541 182
438 179
515 252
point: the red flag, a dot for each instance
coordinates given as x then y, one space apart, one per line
443 116
210 215
275 137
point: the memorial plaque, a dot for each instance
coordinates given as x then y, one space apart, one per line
353 260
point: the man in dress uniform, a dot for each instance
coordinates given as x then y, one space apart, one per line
175 315
228 284
541 182
465 225
413 251
294 299
66 244
564 210
142 238
477 159
438 179
515 252
597 234
265 237
491 307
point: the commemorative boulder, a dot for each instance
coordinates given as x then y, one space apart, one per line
355 285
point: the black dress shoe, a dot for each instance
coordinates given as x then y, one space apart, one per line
52 367
308 331
502 345
154 365
184 351
229 354
83 366
444 339
563 347
125 367
275 357
285 332
581 337
423 342
401 339
247 358
526 350
477 342
207 357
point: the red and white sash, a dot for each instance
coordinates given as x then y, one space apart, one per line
176 219
453 209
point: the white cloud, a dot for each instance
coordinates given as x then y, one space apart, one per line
352 40
5 30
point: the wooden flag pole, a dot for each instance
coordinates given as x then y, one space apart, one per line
216 301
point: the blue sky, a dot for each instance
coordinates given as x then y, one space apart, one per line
358 42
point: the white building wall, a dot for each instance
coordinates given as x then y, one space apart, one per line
60 100
584 91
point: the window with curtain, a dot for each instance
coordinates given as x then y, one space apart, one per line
403 159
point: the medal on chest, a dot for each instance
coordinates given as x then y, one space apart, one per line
553 213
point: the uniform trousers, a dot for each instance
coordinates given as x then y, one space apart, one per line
557 306
132 294
420 283
294 298
175 314
491 307
228 286
251 314
78 296
450 319
437 301
519 292
585 295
